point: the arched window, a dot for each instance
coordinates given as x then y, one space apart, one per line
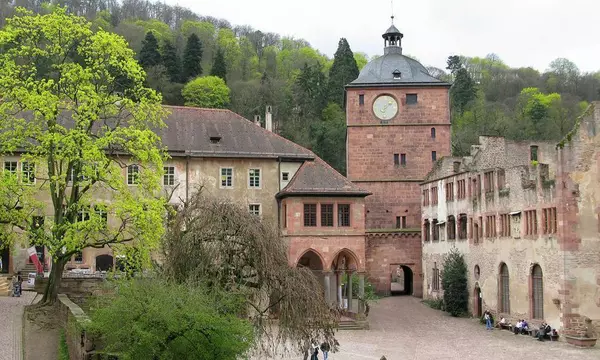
433 133
537 296
504 289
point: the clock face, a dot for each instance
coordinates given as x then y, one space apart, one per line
385 107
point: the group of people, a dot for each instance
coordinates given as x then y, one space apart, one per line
521 327
325 347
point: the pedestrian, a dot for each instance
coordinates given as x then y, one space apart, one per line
325 349
488 320
315 355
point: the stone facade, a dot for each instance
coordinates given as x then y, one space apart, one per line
525 215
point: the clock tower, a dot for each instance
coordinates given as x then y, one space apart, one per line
398 125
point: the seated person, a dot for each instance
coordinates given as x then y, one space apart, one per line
517 329
544 330
524 327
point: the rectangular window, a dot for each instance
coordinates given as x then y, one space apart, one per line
310 214
533 153
285 176
133 174
254 209
11 167
326 214
462 193
400 222
254 178
396 159
478 185
530 222
83 215
504 225
426 231
169 176
78 258
425 197
28 173
490 226
488 179
343 215
450 191
501 179
226 177
403 159
435 278
411 99
433 156
434 195
361 99
462 226
549 220
436 230
451 228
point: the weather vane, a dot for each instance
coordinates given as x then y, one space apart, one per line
392 2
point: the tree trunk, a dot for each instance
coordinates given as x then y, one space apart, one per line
53 285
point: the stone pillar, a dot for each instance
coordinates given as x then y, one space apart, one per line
327 287
361 293
350 291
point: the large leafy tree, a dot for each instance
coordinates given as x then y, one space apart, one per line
192 58
219 67
149 55
343 71
208 92
75 108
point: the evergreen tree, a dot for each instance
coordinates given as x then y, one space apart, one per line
463 90
343 71
192 58
149 55
219 67
454 283
171 61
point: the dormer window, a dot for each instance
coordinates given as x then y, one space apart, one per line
215 139
397 74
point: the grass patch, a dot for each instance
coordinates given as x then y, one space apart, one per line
63 350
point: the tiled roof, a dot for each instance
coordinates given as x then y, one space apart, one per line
223 133
318 178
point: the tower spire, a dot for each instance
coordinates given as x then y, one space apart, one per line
392 2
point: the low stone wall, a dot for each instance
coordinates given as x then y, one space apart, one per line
73 320
78 289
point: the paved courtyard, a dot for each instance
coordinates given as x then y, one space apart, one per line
11 327
404 329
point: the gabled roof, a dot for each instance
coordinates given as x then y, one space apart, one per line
318 178
223 133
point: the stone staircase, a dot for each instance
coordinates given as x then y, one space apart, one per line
347 323
28 268
5 285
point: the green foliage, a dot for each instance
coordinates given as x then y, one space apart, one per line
192 58
369 288
63 349
361 59
342 72
149 55
219 68
208 92
454 283
171 61
45 74
434 303
156 319
463 90
329 137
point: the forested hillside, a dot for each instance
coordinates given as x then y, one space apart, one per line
245 69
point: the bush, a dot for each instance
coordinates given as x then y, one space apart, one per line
63 350
435 303
207 92
454 282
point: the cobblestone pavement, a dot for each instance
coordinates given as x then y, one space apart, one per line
404 329
11 325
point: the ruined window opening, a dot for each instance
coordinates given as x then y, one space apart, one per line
435 279
504 289
451 228
533 153
530 222
425 197
361 99
343 215
436 230
310 214
461 189
490 226
434 195
504 225
326 214
462 226
427 231
549 220
501 179
450 191
488 179
537 296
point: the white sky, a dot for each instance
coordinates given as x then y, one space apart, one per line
521 32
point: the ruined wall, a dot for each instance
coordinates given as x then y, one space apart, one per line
385 251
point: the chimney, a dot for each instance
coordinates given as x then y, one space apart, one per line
257 120
269 118
456 166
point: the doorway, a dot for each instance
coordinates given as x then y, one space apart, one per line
104 263
401 280
5 256
477 302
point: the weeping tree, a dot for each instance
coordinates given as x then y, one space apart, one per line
219 244
74 115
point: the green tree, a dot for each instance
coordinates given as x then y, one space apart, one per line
343 71
60 108
463 90
208 92
149 55
171 61
192 58
454 283
219 67
157 319
329 137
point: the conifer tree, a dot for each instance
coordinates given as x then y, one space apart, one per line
342 72
192 58
463 90
171 61
219 67
149 55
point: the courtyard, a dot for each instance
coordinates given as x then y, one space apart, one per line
402 328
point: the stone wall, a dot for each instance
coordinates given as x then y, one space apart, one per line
73 320
77 289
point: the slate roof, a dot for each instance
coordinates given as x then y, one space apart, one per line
318 178
392 30
223 133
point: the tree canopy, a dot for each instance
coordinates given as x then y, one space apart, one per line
219 67
343 71
192 58
74 103
207 91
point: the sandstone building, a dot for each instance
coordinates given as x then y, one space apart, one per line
526 217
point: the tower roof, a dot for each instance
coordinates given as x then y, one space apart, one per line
392 30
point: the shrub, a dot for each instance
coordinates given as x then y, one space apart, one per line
435 303
454 282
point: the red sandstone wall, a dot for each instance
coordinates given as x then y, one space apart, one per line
383 251
391 199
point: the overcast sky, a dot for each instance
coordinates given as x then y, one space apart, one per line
521 32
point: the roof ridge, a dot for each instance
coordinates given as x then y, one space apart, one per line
195 108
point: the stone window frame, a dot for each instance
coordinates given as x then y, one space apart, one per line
425 197
461 189
412 99
462 226
503 288
285 176
505 225
401 222
310 216
344 217
531 226
434 195
327 216
361 99
435 278
549 221
435 234
537 292
450 190
490 226
433 156
488 181
284 215
426 231
451 227
252 207
433 133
